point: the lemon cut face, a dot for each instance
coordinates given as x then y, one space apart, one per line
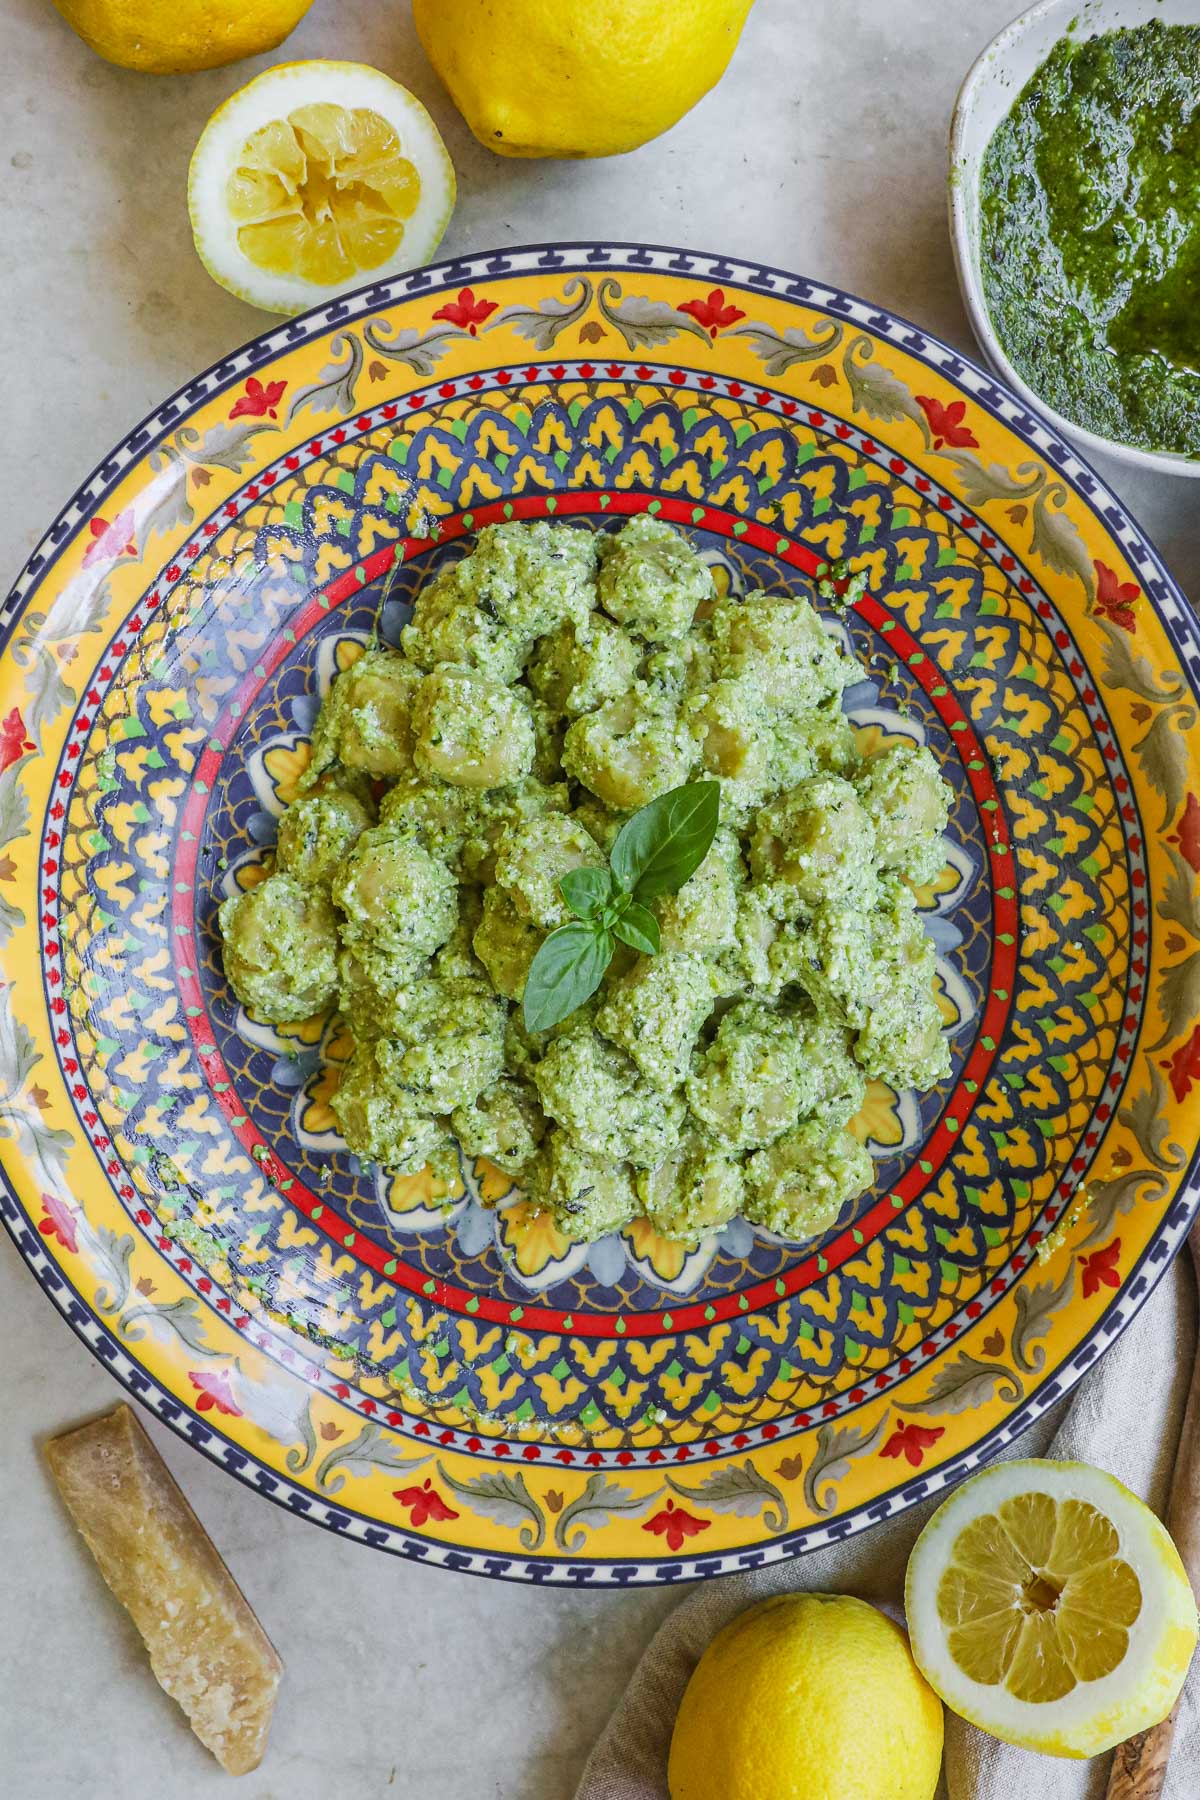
1037 1597
1049 1606
313 178
324 193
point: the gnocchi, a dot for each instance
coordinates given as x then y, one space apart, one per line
550 682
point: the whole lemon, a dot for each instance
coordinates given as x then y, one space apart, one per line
577 77
807 1697
172 37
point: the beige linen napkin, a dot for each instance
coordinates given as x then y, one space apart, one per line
1124 1416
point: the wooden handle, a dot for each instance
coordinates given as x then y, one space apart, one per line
1139 1766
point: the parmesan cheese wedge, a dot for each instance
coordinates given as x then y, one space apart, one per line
207 1649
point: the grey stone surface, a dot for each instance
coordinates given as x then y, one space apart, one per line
822 151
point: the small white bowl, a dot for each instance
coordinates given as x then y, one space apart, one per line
984 100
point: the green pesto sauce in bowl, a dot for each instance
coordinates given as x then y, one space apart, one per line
1090 234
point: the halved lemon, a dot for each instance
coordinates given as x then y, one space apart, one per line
314 178
1049 1607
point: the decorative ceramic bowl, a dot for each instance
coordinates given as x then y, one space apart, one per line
438 1372
984 101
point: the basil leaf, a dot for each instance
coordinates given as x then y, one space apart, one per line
618 903
586 891
566 971
638 928
667 840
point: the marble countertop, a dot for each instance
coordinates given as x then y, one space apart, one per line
823 151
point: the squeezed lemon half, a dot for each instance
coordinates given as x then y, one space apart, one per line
313 178
1049 1606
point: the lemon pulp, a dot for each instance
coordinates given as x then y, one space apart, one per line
1036 1598
323 193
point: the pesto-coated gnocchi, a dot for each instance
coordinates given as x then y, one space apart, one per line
471 730
366 723
630 750
319 830
533 857
550 682
281 948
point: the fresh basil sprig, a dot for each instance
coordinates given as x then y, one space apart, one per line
654 853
